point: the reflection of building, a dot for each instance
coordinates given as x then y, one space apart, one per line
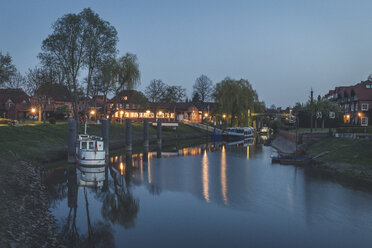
355 102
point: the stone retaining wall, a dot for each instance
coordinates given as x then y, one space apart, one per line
302 138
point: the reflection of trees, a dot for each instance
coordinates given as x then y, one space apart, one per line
56 184
99 234
120 206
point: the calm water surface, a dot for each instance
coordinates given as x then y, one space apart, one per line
221 196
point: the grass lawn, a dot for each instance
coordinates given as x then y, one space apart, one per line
342 150
47 141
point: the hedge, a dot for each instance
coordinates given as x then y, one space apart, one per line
354 129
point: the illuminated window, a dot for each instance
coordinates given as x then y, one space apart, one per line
172 115
126 114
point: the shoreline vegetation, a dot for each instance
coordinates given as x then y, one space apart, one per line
346 160
26 150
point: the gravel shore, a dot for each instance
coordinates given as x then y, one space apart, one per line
25 218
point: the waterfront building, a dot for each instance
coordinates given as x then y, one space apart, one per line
355 102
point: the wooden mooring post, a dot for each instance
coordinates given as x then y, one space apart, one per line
105 134
128 135
72 136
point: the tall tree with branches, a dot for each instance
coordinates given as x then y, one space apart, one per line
79 41
204 88
155 91
7 69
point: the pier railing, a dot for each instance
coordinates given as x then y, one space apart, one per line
202 126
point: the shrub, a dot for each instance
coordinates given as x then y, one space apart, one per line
52 120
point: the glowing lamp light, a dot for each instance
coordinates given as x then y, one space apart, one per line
160 113
359 114
148 111
33 110
122 112
92 112
206 114
224 116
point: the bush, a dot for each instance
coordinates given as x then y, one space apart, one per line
52 120
5 121
354 129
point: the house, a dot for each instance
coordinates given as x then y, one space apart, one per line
49 96
14 104
134 105
355 102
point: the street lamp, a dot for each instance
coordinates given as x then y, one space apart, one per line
33 110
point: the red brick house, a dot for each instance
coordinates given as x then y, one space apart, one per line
49 96
14 104
355 102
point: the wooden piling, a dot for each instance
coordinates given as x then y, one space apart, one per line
146 133
72 136
105 134
128 135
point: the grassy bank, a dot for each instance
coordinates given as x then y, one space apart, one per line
47 142
338 150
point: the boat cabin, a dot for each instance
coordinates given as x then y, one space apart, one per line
90 143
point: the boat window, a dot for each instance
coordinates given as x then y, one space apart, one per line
91 145
84 145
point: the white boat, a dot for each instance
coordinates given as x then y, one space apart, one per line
239 132
90 151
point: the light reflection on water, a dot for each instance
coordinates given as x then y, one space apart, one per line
144 201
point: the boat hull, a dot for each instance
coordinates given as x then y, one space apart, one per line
90 158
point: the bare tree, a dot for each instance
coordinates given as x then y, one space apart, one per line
204 87
155 91
16 81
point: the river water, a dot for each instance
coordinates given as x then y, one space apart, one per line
207 196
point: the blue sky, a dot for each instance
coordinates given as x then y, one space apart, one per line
282 47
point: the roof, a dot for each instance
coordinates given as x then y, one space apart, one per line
15 95
131 96
58 92
180 106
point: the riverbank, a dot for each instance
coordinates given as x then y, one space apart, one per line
345 159
25 220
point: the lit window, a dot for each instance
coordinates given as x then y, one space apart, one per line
364 106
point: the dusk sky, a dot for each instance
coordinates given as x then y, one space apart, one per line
282 47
